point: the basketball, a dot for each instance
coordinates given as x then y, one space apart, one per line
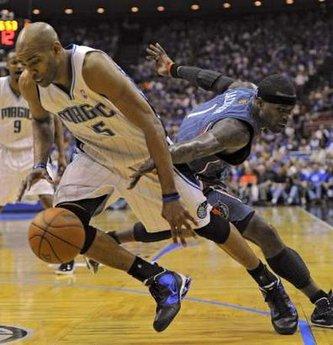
56 235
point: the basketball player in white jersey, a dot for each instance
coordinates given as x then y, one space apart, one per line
16 140
105 111
112 119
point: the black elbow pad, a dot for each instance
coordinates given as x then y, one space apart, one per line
206 78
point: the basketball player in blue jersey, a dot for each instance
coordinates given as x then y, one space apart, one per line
117 128
219 133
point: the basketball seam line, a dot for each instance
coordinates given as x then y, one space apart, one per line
61 226
48 224
55 254
30 238
62 211
40 244
59 238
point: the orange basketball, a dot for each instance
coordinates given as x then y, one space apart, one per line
56 235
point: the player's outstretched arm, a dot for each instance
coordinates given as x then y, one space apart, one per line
204 78
104 77
42 125
227 136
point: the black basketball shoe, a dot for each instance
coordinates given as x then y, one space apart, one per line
322 315
92 265
67 268
168 289
284 316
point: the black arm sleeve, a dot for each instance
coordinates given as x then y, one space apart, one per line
204 78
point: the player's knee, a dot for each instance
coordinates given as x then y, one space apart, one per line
139 232
46 200
264 235
84 216
218 230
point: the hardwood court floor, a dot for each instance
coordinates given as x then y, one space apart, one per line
223 306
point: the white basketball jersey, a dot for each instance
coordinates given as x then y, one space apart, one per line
15 119
108 136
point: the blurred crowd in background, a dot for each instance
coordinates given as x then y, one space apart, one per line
294 167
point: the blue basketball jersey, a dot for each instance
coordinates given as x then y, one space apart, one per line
234 103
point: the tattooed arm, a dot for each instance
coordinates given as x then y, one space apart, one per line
227 136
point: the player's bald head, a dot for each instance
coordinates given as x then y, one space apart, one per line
39 36
40 52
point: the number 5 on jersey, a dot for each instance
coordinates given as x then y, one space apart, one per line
99 128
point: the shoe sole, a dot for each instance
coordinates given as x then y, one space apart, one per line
320 325
286 331
61 273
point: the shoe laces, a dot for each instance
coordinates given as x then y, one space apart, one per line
278 296
158 291
325 305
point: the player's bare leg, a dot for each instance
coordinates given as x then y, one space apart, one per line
46 200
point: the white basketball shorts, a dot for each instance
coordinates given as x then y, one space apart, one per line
15 166
84 178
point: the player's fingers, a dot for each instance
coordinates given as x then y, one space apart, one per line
189 229
61 170
21 191
134 182
137 174
173 233
160 48
150 58
182 238
48 178
155 48
179 222
151 52
29 183
188 216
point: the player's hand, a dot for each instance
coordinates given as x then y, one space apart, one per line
62 164
180 221
163 62
146 167
32 178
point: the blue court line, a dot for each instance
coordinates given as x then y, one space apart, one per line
304 327
167 249
306 333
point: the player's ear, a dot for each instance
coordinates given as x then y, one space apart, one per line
258 102
57 47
